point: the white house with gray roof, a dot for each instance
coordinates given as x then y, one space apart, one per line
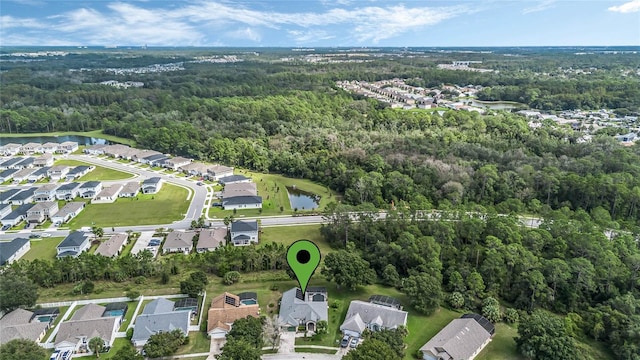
242 202
461 339
244 232
16 216
159 316
365 315
90 189
151 185
113 246
68 212
46 192
13 250
179 242
18 325
73 245
68 191
38 174
74 335
298 310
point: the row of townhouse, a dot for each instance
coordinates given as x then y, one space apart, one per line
241 233
37 148
39 213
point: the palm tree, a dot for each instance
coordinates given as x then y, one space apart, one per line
95 345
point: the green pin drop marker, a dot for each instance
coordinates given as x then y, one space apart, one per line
303 257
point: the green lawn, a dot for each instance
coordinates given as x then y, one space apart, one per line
198 343
503 346
99 173
273 189
131 308
95 134
63 310
43 248
118 344
288 234
168 205
314 350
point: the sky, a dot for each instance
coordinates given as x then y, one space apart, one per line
320 23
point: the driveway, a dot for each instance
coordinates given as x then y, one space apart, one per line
287 342
143 242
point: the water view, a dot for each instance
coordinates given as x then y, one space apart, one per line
302 200
81 140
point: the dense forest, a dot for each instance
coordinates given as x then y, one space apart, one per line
291 119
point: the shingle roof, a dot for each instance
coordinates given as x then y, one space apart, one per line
149 324
368 313
151 181
226 308
76 238
112 246
211 238
41 171
158 306
69 186
9 172
8 248
19 211
242 200
31 331
179 239
89 311
8 194
240 226
24 194
69 208
233 178
77 170
130 188
90 185
16 317
460 339
292 309
72 330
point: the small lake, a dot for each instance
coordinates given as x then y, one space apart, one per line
495 105
81 140
302 200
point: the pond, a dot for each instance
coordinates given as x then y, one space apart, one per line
302 200
496 105
81 140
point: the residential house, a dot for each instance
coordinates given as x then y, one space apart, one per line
242 202
151 185
5 209
25 163
630 137
232 179
45 159
244 232
18 325
363 315
194 169
78 172
179 241
226 308
140 155
217 172
23 197
23 174
112 247
31 148
16 216
41 211
67 147
40 173
97 149
10 149
13 250
154 160
461 339
5 196
90 189
68 191
240 189
176 162
11 163
159 316
116 151
46 192
74 244
50 147
68 212
210 239
108 194
7 175
74 335
57 172
130 189
298 309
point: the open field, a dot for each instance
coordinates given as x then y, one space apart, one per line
273 189
168 205
43 248
286 235
198 343
99 173
94 134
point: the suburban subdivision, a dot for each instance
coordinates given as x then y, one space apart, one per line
467 203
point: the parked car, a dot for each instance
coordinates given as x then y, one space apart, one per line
6 227
345 341
199 183
354 343
34 236
46 235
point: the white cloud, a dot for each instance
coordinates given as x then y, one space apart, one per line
7 22
542 5
630 7
301 36
245 34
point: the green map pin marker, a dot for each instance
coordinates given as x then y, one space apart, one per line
303 257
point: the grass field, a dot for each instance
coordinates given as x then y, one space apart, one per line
314 350
198 343
273 189
131 308
99 173
288 234
168 205
502 346
43 248
94 134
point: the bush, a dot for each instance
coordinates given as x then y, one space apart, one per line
274 287
511 316
140 280
231 277
335 304
129 333
456 300
132 294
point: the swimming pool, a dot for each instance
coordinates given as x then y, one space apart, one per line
46 318
248 302
119 312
